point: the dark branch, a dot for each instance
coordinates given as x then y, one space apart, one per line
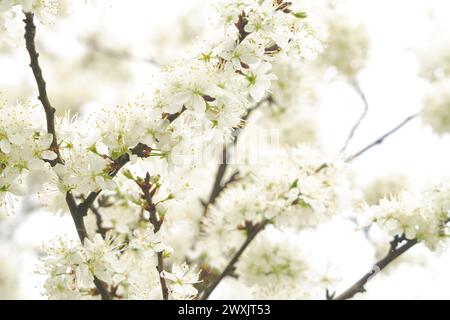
382 138
360 119
395 251
99 221
253 232
102 288
30 34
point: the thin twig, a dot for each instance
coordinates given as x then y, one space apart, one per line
30 34
148 191
95 45
219 185
382 138
358 89
395 251
102 202
254 231
99 221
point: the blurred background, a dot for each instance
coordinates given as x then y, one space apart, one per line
107 52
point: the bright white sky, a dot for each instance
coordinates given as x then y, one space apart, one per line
394 92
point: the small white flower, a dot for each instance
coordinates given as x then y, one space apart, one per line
181 282
260 81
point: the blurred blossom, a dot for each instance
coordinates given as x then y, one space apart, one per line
9 276
436 111
384 187
346 46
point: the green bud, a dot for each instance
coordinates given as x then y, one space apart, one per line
127 173
300 15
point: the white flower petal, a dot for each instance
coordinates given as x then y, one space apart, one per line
49 155
5 146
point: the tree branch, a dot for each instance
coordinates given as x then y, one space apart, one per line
30 34
79 211
78 219
141 150
381 139
76 213
357 88
396 250
253 232
218 185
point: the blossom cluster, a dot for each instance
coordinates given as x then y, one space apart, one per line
296 188
209 93
272 262
257 64
24 148
275 266
230 75
418 215
125 268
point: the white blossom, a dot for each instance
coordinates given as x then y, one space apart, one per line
181 282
